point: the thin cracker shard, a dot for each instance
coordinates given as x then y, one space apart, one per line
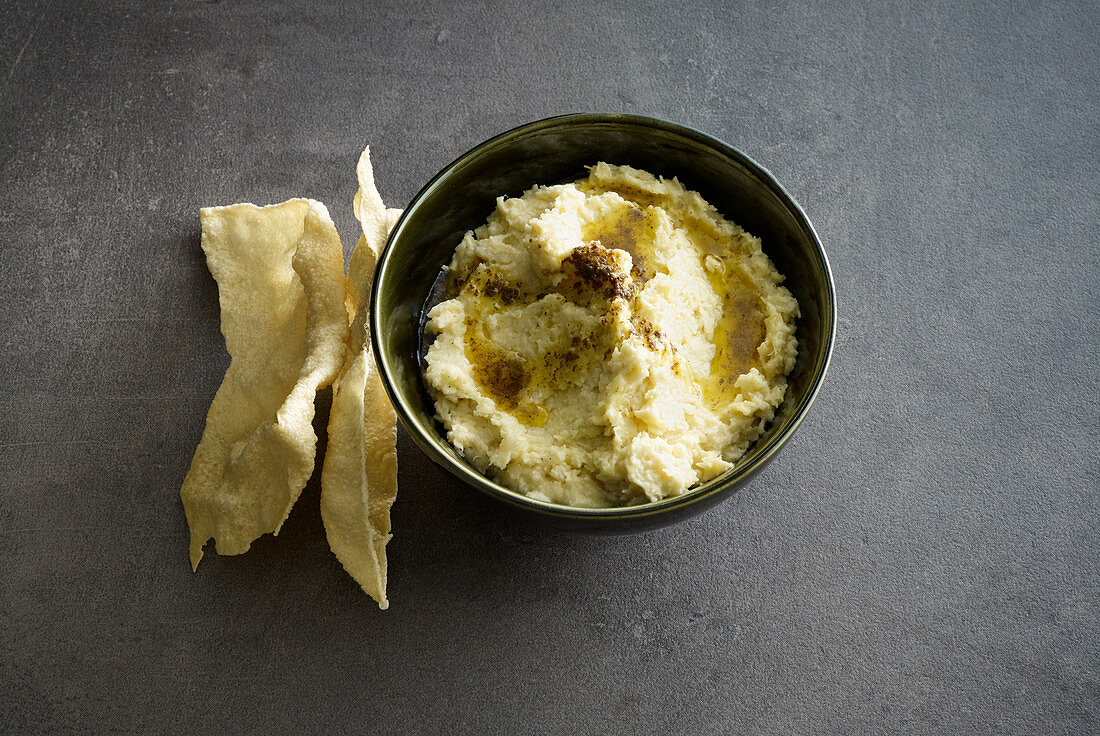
359 475
281 287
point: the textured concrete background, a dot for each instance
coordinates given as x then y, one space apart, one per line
921 559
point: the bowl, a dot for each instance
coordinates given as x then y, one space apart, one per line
556 150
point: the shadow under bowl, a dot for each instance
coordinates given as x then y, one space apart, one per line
558 150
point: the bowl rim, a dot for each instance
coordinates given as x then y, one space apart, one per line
466 473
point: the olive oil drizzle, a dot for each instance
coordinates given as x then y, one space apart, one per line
737 336
504 376
522 387
631 229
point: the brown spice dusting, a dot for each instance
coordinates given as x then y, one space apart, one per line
496 287
630 193
458 281
654 339
738 336
506 376
455 284
595 267
628 229
501 374
622 232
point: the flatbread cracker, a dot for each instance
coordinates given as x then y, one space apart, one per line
359 475
281 286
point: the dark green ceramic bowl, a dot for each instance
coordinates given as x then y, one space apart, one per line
557 150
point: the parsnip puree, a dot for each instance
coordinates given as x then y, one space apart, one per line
609 342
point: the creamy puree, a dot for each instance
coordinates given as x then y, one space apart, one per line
608 342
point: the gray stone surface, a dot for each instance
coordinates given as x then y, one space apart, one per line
921 559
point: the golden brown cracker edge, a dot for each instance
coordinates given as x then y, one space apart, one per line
359 474
280 275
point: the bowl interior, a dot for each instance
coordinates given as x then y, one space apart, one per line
557 150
